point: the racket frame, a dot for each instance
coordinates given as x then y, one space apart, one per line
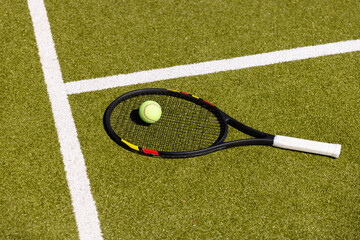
259 138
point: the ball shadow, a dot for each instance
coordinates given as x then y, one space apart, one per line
134 116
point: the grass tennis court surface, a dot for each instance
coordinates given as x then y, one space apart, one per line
241 193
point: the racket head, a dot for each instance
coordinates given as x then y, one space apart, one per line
189 126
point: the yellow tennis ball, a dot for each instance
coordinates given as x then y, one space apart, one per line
150 111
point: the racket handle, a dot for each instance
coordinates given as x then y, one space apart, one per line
327 149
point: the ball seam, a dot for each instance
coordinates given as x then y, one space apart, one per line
145 111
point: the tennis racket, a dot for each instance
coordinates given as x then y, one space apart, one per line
189 127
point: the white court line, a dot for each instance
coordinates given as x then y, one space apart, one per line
83 203
212 66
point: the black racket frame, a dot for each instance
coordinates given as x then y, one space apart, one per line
259 138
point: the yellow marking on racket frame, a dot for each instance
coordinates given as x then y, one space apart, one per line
173 90
132 146
180 92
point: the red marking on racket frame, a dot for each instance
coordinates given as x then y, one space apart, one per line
217 134
148 151
209 103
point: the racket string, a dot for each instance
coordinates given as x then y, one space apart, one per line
183 126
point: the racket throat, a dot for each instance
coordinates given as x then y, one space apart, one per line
267 141
246 129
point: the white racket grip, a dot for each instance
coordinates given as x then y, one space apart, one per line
327 149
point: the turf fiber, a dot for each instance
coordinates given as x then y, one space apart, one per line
34 198
96 39
248 192
241 193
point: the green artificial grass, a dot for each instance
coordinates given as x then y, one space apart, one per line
34 198
96 39
241 193
245 192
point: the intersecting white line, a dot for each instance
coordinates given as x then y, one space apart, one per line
83 203
212 66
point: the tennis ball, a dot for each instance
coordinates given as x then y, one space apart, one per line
150 111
